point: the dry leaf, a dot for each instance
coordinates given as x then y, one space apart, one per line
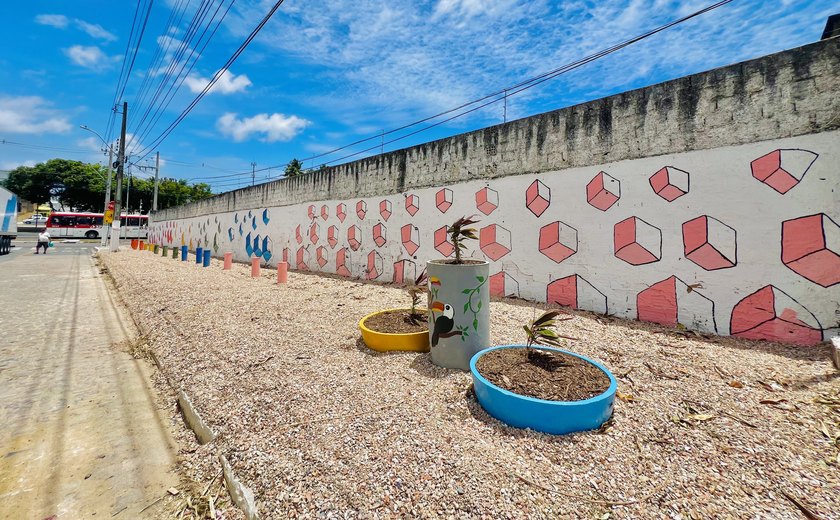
701 416
625 397
736 384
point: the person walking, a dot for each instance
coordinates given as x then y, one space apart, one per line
43 241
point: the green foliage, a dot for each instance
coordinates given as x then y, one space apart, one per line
541 331
294 168
81 187
459 233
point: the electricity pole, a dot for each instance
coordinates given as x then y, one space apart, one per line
108 193
157 171
115 226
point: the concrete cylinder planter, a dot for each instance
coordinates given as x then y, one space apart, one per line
459 311
386 342
555 417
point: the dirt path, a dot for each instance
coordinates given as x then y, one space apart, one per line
81 434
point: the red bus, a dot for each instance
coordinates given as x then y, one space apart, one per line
89 225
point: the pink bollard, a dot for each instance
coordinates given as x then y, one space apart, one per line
255 268
228 260
282 272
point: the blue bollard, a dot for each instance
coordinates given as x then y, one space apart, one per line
198 252
206 258
184 253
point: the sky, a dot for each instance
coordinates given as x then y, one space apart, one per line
325 73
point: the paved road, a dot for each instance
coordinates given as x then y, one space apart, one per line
81 434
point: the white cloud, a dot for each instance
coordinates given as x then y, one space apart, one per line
58 21
274 127
30 115
95 30
11 165
228 83
90 57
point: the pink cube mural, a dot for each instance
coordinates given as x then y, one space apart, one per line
558 241
783 169
671 302
537 198
771 314
576 292
410 237
379 234
374 265
354 237
811 248
637 242
385 209
342 258
412 204
443 200
494 241
710 243
332 236
442 243
361 209
341 212
486 200
603 191
503 284
670 183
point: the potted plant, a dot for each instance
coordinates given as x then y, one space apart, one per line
544 388
459 302
399 329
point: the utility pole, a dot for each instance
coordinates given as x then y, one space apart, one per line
127 195
115 227
157 172
108 193
253 173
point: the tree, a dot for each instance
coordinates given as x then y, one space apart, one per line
294 168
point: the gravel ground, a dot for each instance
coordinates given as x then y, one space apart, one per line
319 426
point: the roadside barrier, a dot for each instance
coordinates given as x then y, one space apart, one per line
164 251
183 253
141 245
198 252
133 243
207 258
155 249
228 261
282 272
174 252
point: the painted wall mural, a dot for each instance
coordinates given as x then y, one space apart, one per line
740 240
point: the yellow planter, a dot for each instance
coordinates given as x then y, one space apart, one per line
385 342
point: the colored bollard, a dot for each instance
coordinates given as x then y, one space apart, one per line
282 272
164 251
133 243
228 260
174 253
155 249
255 268
198 254
184 251
142 246
207 258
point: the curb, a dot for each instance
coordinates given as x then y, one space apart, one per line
241 495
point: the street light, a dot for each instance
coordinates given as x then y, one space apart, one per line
110 148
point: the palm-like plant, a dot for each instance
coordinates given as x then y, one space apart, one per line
415 292
459 232
540 331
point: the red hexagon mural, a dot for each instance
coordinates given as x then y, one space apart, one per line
710 243
637 242
301 258
374 265
385 209
298 235
783 169
325 212
310 211
321 256
314 231
537 198
332 236
354 237
410 237
494 241
811 248
412 204
670 183
442 243
558 241
341 212
771 314
443 200
342 258
379 234
603 191
487 200
361 209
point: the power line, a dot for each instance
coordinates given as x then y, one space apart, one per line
157 141
136 48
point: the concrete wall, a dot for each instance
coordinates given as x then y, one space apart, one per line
710 201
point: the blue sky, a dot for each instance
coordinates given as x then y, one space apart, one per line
323 73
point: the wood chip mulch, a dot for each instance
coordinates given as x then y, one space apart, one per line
320 426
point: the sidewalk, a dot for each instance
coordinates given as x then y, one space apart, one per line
81 434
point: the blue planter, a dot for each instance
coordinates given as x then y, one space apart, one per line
556 417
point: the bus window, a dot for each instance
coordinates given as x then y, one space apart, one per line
97 221
84 221
63 221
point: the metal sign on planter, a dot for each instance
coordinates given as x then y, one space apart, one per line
109 213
